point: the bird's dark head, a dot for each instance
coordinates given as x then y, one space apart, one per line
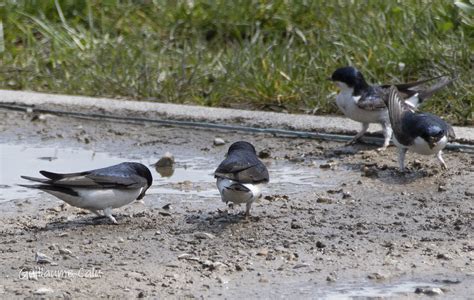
241 146
349 77
144 172
433 135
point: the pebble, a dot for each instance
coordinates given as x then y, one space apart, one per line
324 200
369 172
346 195
265 153
166 160
320 244
43 291
296 225
331 278
376 276
444 256
204 235
219 142
262 252
64 251
299 266
188 256
430 291
442 188
141 294
42 258
327 165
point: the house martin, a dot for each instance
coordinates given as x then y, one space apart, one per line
422 133
99 189
365 103
240 175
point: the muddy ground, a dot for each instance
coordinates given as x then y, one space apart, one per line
361 229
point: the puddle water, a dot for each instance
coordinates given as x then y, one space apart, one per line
191 176
365 290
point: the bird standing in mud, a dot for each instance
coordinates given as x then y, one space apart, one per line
99 189
422 133
240 175
365 103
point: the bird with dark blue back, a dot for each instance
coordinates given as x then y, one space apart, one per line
241 175
99 189
366 103
421 133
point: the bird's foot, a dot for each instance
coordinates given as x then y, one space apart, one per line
353 141
108 214
382 149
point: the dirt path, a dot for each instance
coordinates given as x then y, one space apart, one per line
356 227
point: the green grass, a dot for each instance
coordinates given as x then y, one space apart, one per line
248 53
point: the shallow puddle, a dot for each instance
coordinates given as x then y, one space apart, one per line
191 175
342 291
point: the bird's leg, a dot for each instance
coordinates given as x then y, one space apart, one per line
247 210
387 134
364 128
401 158
108 214
441 160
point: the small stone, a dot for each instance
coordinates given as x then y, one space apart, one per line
204 235
263 280
219 142
262 252
331 278
299 266
120 240
64 251
187 256
324 200
141 294
444 256
166 160
320 244
442 188
42 258
328 165
376 276
430 291
166 206
346 195
43 291
265 153
369 171
165 213
296 225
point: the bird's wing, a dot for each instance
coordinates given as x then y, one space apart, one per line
94 179
237 187
372 99
399 113
51 188
411 88
243 168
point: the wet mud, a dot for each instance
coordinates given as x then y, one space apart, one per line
335 221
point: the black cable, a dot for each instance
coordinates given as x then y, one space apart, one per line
207 125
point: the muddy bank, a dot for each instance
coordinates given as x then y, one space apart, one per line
343 221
